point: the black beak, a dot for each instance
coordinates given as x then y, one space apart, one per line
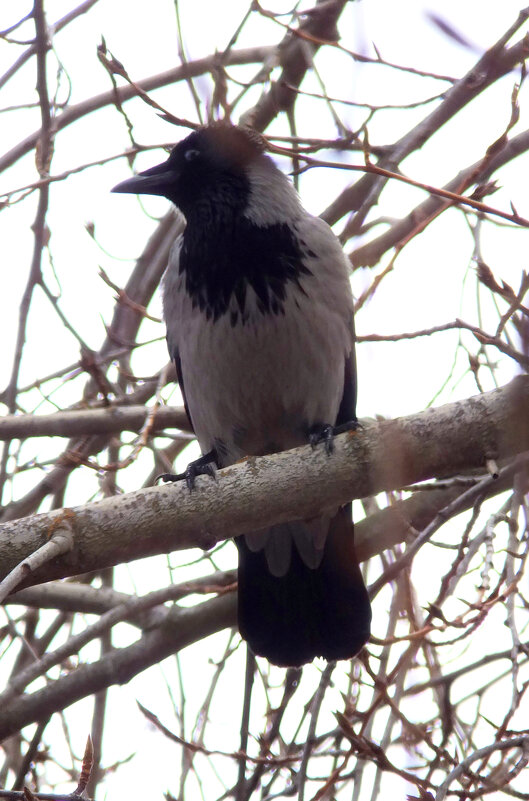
156 181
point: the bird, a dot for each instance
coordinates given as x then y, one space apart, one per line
259 316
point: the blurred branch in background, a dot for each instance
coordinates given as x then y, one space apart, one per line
92 412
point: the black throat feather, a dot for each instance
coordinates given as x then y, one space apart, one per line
224 253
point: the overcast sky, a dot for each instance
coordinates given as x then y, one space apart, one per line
433 283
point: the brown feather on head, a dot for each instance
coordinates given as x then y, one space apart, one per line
238 143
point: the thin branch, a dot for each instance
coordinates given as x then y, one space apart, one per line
73 597
373 169
131 608
320 28
369 254
44 146
60 542
179 629
502 745
54 28
496 62
124 93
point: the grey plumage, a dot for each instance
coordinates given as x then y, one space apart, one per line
259 318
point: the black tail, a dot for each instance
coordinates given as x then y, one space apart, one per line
307 612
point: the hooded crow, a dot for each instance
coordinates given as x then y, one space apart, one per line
259 316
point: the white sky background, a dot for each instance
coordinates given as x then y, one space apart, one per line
425 289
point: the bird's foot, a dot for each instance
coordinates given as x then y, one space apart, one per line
203 466
325 432
322 432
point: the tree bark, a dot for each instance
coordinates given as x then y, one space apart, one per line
254 493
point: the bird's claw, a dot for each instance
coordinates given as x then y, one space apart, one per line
203 466
325 432
322 432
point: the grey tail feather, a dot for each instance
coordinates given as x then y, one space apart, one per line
278 541
306 612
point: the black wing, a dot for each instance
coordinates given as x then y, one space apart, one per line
178 365
347 410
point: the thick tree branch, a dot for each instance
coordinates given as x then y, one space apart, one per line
382 456
79 422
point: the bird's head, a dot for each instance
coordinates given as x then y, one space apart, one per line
212 162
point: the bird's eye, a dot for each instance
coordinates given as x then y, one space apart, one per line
191 154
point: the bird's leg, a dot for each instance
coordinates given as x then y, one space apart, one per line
350 425
325 432
203 466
